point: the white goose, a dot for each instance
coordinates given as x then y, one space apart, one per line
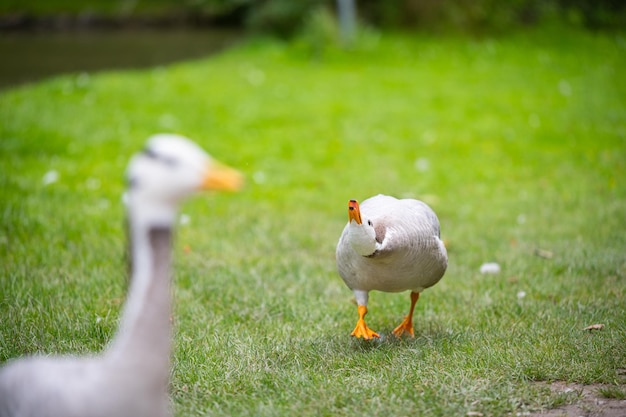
130 378
390 245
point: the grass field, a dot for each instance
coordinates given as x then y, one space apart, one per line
518 143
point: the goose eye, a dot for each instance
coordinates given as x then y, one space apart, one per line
164 159
369 222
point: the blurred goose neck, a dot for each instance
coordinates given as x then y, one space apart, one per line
144 335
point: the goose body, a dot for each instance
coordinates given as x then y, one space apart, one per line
130 377
390 245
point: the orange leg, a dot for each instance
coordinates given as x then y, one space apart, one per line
407 323
361 329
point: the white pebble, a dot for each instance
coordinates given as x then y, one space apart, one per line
565 88
184 219
422 164
490 268
50 177
259 177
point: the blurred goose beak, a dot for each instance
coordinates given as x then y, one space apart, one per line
222 177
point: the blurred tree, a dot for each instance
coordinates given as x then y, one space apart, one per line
282 17
489 15
286 17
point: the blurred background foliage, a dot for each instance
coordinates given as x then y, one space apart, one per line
287 17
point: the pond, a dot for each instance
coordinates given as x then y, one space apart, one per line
32 56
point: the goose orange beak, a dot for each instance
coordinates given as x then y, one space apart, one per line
221 177
354 213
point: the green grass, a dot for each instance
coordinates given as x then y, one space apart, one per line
612 392
518 143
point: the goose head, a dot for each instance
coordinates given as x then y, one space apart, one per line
170 168
361 235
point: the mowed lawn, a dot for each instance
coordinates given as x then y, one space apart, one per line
517 142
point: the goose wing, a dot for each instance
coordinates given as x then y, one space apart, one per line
400 224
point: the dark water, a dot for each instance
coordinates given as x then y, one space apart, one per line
28 57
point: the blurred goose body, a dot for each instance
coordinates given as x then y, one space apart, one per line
390 245
130 378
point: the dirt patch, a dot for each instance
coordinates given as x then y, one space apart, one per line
586 401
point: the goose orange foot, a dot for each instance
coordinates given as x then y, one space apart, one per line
405 326
407 323
361 329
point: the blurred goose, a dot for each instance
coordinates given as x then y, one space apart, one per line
130 378
390 245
